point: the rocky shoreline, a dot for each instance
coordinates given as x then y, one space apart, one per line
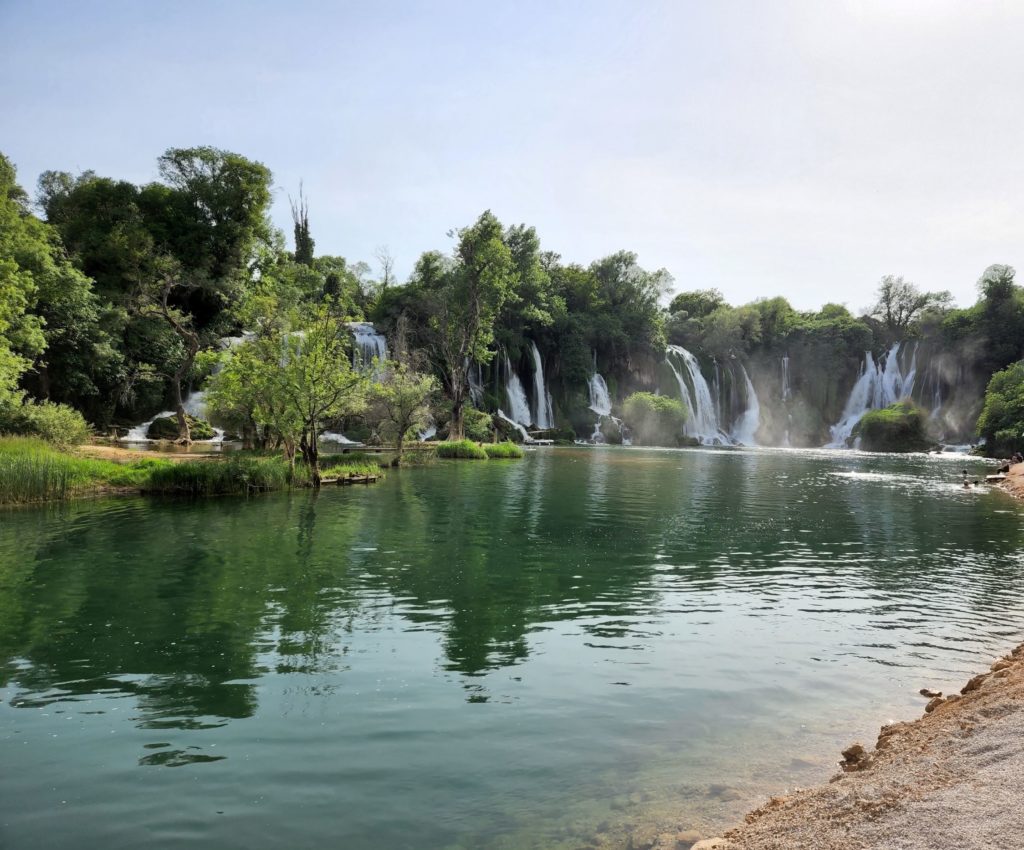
951 779
1014 482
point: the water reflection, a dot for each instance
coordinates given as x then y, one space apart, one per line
648 599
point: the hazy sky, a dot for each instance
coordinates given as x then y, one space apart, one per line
794 148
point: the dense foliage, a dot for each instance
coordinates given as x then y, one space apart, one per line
655 420
1002 419
900 427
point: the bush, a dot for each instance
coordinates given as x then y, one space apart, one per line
899 427
503 450
461 449
58 424
654 419
166 428
476 424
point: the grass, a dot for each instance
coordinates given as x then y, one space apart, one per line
236 474
34 471
461 449
503 450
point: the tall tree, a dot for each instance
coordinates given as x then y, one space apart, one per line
899 302
464 297
400 401
304 243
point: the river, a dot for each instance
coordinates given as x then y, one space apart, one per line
506 654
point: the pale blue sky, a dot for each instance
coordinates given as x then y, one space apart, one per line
794 148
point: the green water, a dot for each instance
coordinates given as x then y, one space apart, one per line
543 653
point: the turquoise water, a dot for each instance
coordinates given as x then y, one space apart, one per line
542 653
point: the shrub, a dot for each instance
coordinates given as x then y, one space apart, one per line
58 424
166 428
461 449
503 450
476 424
654 419
899 427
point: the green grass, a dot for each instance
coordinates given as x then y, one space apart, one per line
32 470
461 448
236 474
503 450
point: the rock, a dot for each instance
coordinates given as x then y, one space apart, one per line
712 844
1001 664
933 704
930 694
687 838
724 793
166 428
855 757
974 683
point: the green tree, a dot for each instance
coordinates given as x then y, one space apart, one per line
654 419
463 299
1001 423
899 302
24 247
400 401
697 304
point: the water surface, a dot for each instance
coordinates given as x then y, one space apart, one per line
503 654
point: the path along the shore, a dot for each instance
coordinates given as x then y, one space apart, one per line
953 779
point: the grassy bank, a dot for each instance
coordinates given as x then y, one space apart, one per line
469 450
34 471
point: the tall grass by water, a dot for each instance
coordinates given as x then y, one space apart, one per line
506 449
461 449
32 470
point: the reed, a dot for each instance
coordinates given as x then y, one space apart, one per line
506 449
461 449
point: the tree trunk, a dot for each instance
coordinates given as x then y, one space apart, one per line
456 429
399 447
184 434
311 455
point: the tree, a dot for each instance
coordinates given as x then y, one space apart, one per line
1001 423
900 302
400 401
697 304
304 242
24 244
655 419
463 299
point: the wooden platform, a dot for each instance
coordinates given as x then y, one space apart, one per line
349 479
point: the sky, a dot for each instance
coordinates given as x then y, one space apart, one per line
763 148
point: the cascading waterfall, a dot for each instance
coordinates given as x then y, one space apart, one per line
786 391
601 404
879 385
702 422
369 345
745 428
526 437
519 407
543 415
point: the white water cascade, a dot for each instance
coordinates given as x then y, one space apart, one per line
526 437
370 345
879 385
745 428
786 390
517 403
600 403
702 421
543 415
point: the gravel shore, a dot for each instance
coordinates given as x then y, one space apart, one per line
952 779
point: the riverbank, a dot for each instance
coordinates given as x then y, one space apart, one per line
1014 483
950 779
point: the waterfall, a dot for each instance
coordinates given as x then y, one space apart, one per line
370 345
786 391
702 421
517 403
600 401
526 437
476 382
744 430
543 415
879 385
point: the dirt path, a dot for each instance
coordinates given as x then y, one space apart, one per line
118 454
